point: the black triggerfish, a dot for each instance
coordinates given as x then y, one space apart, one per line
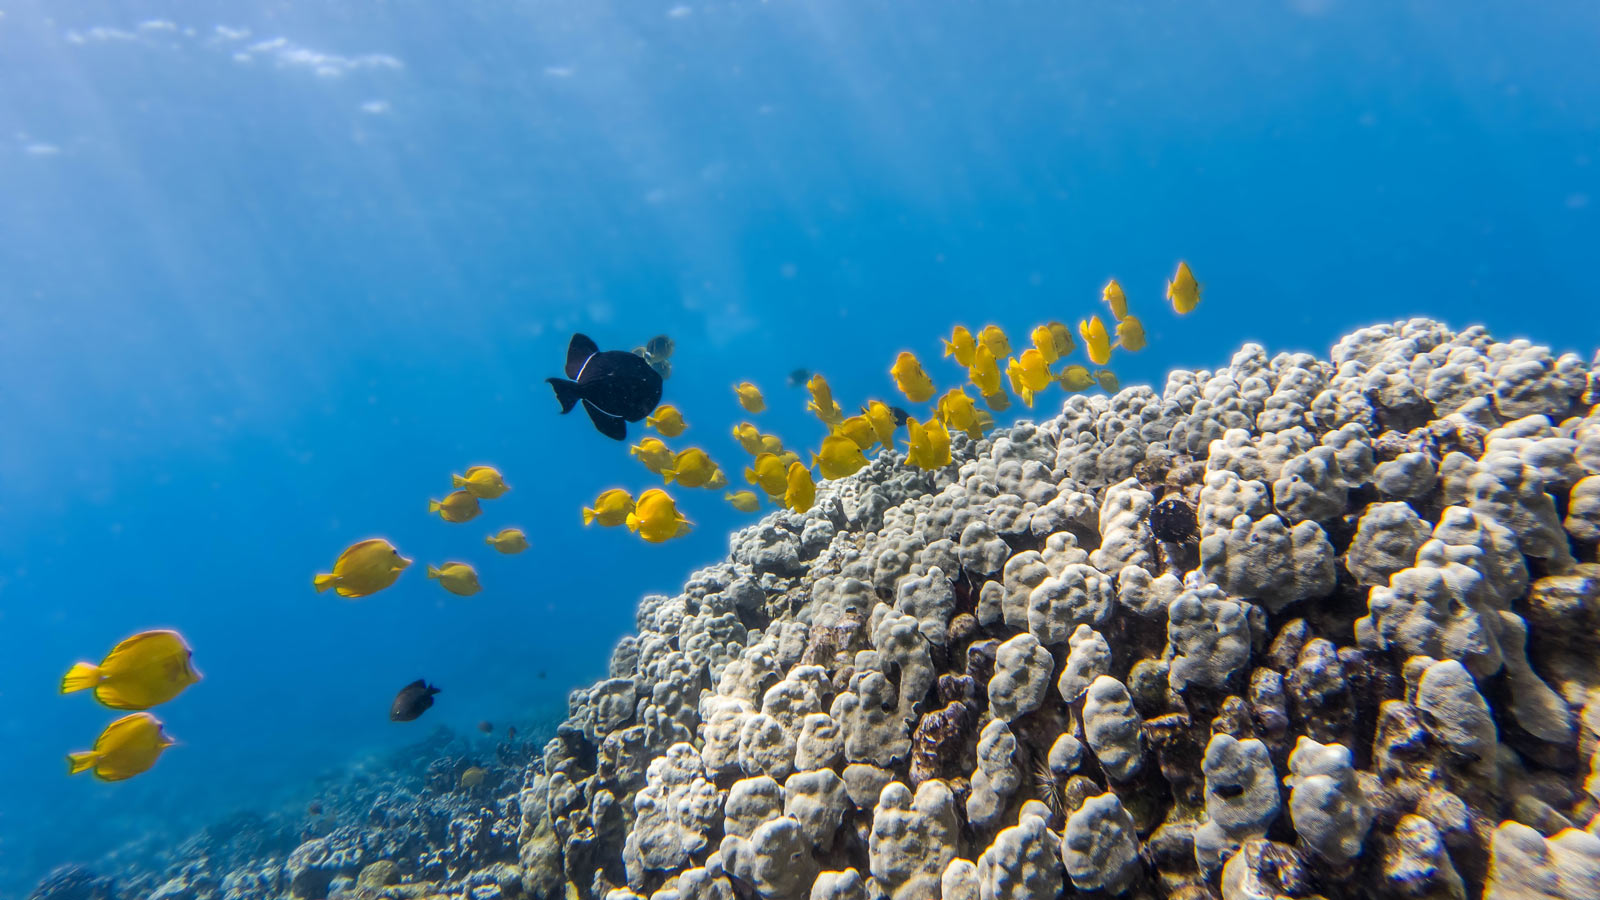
615 386
412 701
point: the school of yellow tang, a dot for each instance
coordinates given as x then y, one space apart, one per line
995 371
152 667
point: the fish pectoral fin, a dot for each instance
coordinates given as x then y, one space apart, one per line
611 426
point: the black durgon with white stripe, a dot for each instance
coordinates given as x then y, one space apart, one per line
615 386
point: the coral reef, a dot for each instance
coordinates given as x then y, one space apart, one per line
1291 628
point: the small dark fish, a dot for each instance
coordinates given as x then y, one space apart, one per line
615 386
314 808
900 416
660 347
511 733
485 726
412 701
799 377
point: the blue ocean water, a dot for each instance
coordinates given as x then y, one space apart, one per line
270 273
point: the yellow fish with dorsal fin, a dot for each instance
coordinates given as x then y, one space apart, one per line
1183 290
458 507
690 468
508 541
1107 381
956 410
142 671
456 577
653 454
1130 334
1114 298
881 417
1095 340
1030 374
767 473
743 501
748 437
1045 343
610 509
750 397
992 337
656 518
667 421
838 457
910 378
473 777
999 401
929 444
483 482
859 430
1065 345
822 402
770 443
1075 378
128 746
985 371
960 345
800 491
364 568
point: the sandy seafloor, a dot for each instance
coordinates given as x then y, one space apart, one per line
1290 627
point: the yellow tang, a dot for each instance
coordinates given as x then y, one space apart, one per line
690 468
1045 343
457 578
1115 299
770 443
667 420
718 480
767 473
1130 334
750 397
1075 378
473 777
656 517
743 501
364 568
800 492
960 345
992 337
956 410
748 437
1183 290
1063 339
859 430
910 379
611 508
1107 381
1095 340
930 444
822 402
985 371
838 457
1030 373
881 418
128 746
459 506
508 541
483 482
653 454
998 401
142 671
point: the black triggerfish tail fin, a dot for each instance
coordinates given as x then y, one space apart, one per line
567 392
578 353
611 426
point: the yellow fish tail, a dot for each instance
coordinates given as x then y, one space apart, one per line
669 474
458 481
434 506
633 522
433 572
588 515
81 677
489 540
78 763
324 581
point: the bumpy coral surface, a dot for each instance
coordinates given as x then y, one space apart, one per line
1296 627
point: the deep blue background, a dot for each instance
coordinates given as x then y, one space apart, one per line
251 311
